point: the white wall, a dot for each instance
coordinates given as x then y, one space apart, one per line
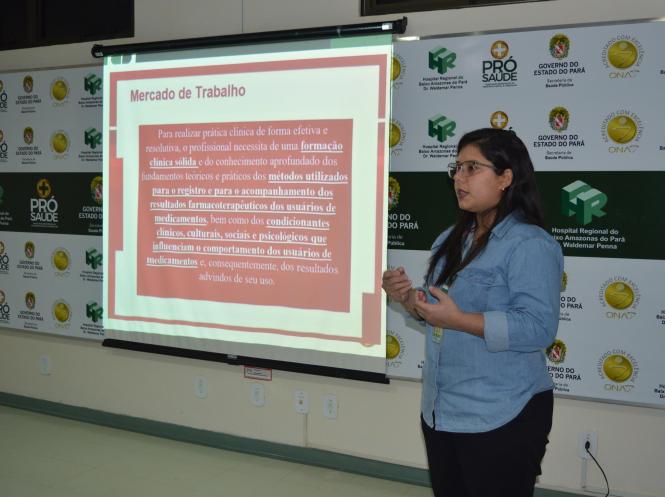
375 421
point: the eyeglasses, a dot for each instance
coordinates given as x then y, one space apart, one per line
466 168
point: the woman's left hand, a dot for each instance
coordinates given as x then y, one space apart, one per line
444 313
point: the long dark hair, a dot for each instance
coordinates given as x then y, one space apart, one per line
505 151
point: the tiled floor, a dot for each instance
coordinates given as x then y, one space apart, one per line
44 456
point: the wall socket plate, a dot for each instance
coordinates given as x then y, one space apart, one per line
45 365
592 438
201 387
257 395
301 401
330 406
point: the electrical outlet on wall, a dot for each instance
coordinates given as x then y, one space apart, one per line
330 406
257 395
201 387
45 365
590 438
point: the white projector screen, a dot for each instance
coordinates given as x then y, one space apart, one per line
245 200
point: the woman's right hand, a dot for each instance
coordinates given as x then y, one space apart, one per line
397 285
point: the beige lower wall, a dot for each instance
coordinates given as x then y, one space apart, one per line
374 421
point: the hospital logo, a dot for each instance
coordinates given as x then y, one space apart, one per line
441 59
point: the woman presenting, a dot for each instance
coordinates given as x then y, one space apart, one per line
491 306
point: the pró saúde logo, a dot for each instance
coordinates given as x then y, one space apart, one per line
558 118
622 129
441 128
582 201
441 59
59 90
93 311
623 55
620 368
393 193
3 146
5 310
499 120
44 208
501 70
92 84
559 46
620 296
3 97
93 258
4 259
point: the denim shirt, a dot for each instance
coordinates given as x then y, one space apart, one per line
473 384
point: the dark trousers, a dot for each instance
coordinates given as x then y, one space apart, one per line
499 463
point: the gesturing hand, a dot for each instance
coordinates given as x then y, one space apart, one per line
397 284
444 313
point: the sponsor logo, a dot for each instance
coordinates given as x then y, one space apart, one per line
44 208
28 84
29 249
564 282
582 201
93 311
97 190
4 307
441 128
501 70
559 117
28 135
3 97
60 259
559 46
556 352
92 138
4 259
59 90
393 346
623 55
60 142
623 130
3 146
441 59
92 83
395 68
621 297
393 193
93 258
395 135
620 368
499 120
30 300
61 311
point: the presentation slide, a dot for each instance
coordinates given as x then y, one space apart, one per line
245 200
